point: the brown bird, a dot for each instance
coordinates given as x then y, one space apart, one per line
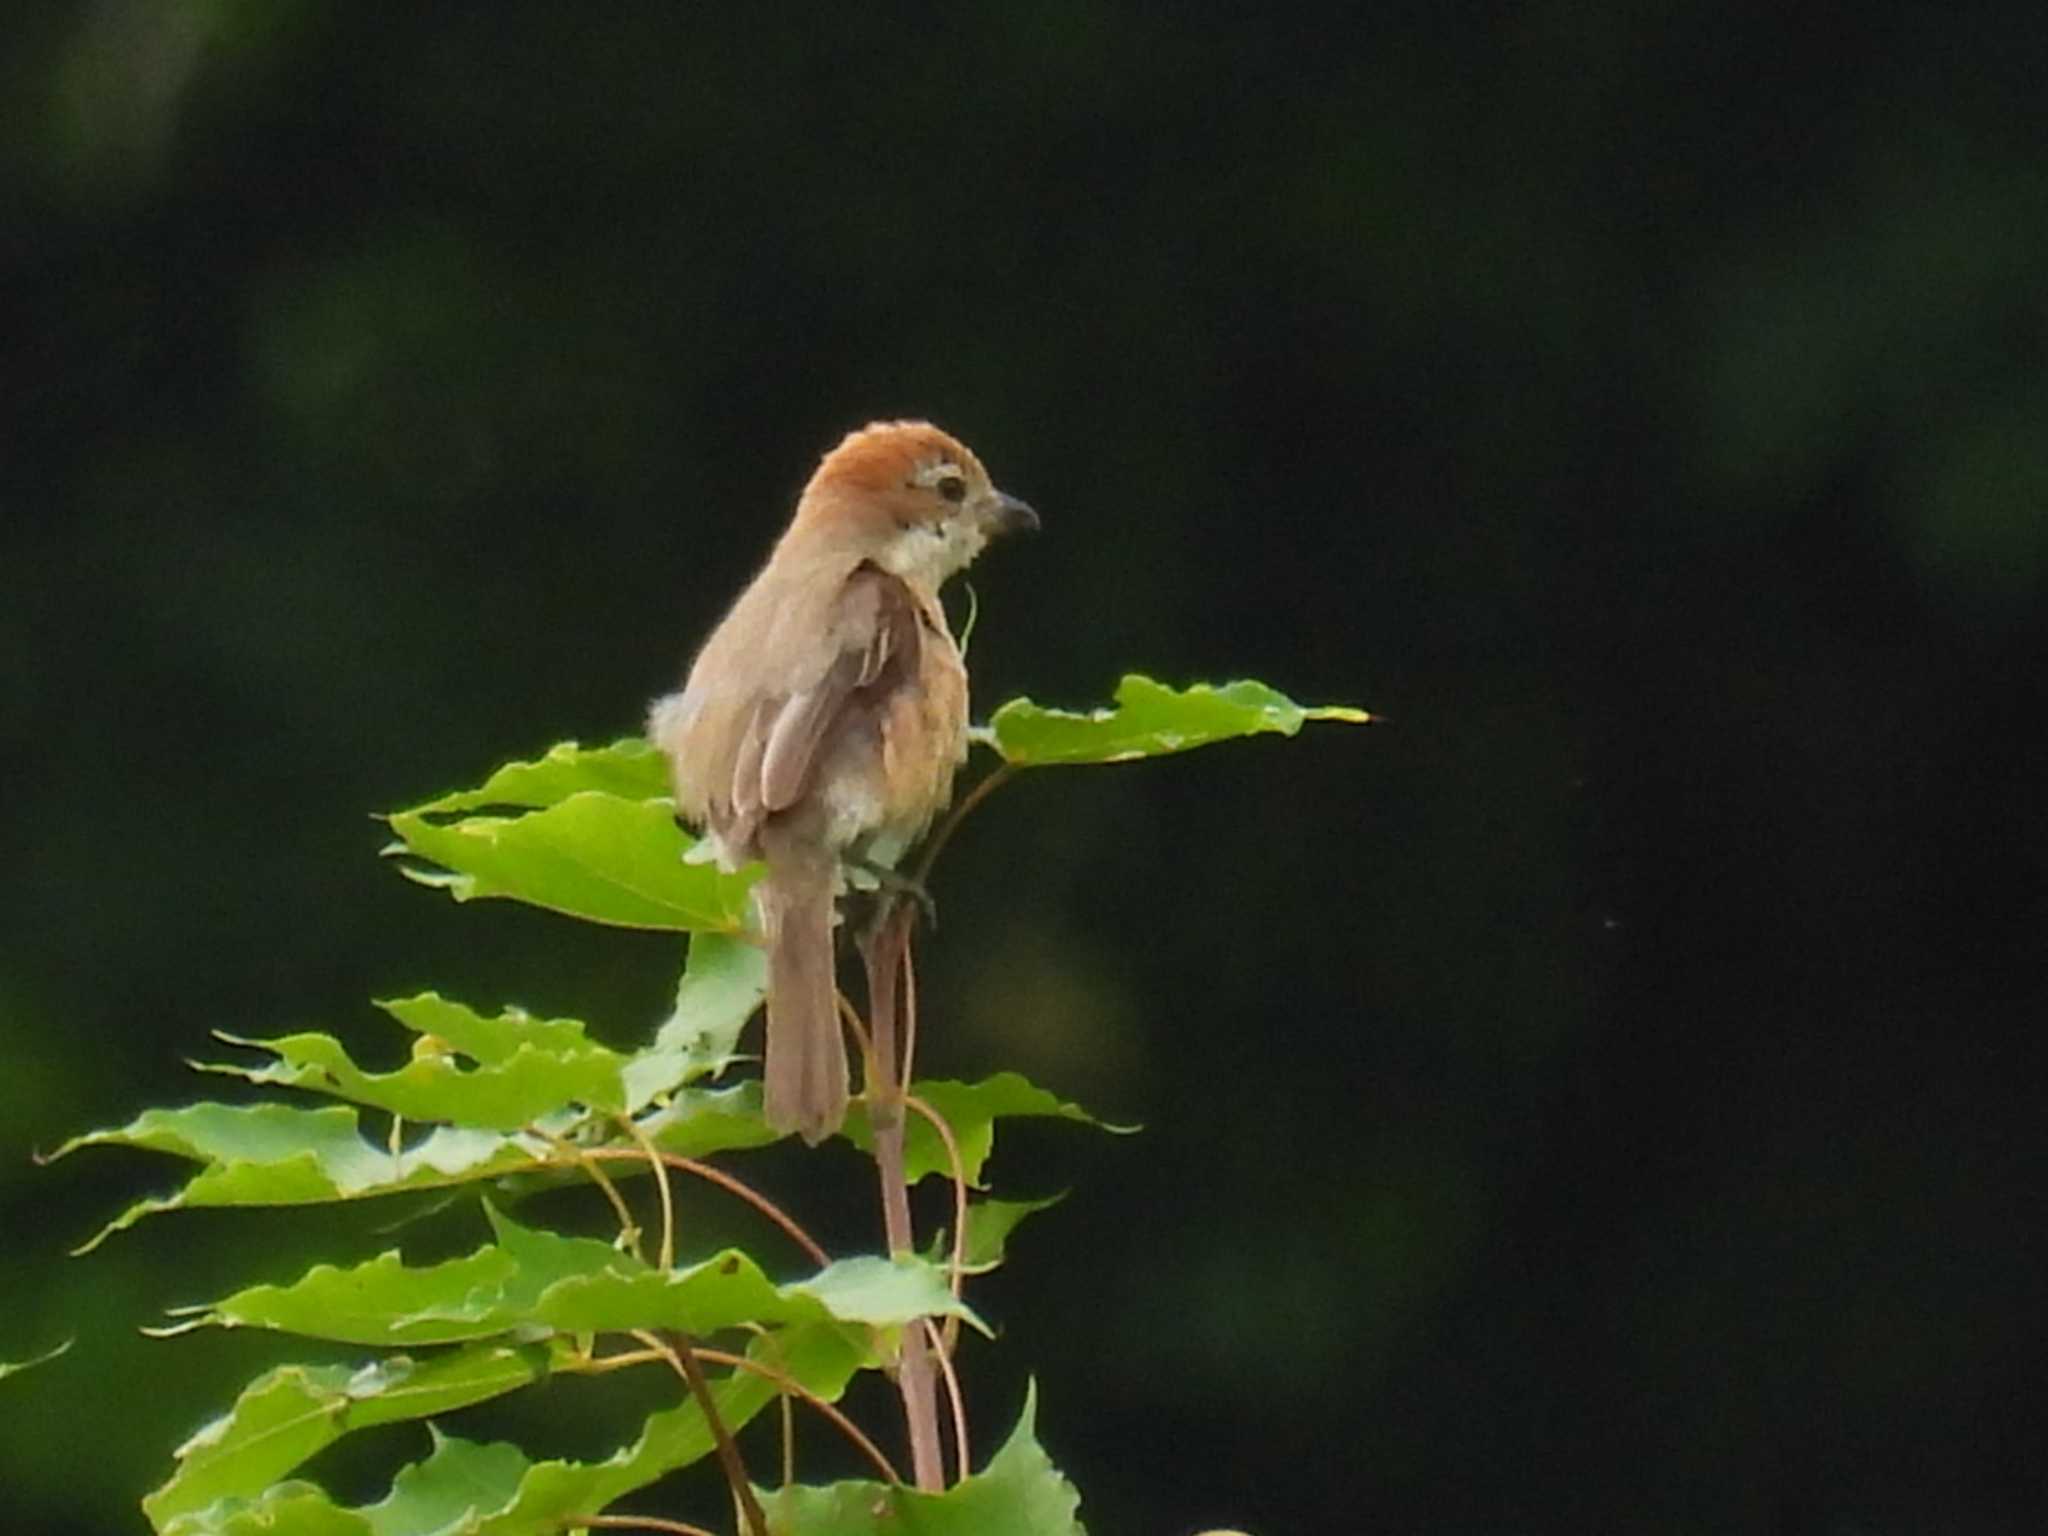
822 722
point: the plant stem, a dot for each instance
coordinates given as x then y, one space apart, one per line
883 951
790 1387
724 1181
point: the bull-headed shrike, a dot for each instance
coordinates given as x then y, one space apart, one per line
823 721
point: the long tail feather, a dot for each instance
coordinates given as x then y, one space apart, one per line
804 1076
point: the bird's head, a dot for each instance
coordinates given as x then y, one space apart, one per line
911 498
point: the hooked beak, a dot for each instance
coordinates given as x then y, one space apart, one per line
1009 515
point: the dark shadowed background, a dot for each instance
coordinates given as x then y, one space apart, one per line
1593 1099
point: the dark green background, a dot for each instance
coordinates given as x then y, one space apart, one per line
1594 1099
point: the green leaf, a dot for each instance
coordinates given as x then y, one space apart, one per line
884 1292
630 768
293 1412
532 1280
275 1154
521 1069
1150 720
16 1367
697 1123
1019 1493
283 1509
970 1110
459 1484
721 986
380 1301
989 1225
486 1490
496 1039
594 856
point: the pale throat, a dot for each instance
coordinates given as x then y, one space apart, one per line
927 553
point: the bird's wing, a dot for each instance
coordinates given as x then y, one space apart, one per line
880 632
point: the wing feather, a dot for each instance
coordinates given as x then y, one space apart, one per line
880 638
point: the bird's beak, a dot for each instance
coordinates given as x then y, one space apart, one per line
1009 515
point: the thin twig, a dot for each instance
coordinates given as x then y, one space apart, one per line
851 1017
788 1386
629 1229
687 1366
795 1388
597 1365
961 1455
730 1185
957 1266
668 1204
882 951
907 1071
788 1406
990 782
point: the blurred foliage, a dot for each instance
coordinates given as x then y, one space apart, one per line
1640 407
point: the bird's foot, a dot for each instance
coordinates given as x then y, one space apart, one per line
890 883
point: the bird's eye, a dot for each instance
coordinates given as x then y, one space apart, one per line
953 488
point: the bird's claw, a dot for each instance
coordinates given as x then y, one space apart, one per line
889 882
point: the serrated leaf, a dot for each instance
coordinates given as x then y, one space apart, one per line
630 768
970 1110
276 1154
595 856
532 1280
16 1367
520 1068
459 1484
1150 720
381 1301
291 1413
492 1490
523 1069
490 1040
1019 1493
989 1225
721 986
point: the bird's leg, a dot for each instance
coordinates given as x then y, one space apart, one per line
865 874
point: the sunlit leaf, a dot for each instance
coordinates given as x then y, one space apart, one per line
459 1484
520 1069
290 1413
275 1154
1019 1493
284 1509
699 1122
533 1280
594 856
491 1040
971 1111
1150 720
487 1490
722 984
884 1292
630 768
382 1301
